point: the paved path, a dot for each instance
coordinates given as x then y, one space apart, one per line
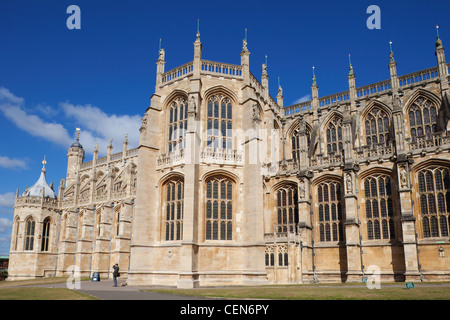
105 290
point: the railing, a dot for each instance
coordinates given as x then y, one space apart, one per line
331 99
171 158
220 156
222 69
179 72
297 108
371 89
418 76
114 157
429 141
327 159
46 201
377 150
273 168
282 236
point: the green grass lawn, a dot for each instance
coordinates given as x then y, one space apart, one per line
34 293
17 290
323 292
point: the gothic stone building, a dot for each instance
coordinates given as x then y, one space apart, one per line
229 187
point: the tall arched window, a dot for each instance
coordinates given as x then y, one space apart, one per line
177 124
16 232
29 233
379 208
270 256
434 199
219 209
220 123
174 210
296 144
287 209
330 211
422 118
334 135
45 234
377 128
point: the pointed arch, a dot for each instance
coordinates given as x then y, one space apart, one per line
421 112
173 95
221 89
416 94
332 132
329 211
285 216
219 187
30 226
376 125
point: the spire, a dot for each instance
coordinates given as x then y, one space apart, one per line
43 164
244 43
438 40
245 58
77 143
198 31
160 64
197 65
393 69
280 95
391 55
350 67
40 188
314 84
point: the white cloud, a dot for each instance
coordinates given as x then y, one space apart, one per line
5 225
7 199
6 95
303 99
12 108
97 127
10 163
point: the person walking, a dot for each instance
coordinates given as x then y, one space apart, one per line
116 274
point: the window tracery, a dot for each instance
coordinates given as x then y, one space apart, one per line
287 209
434 201
334 135
219 209
377 128
219 123
296 144
29 233
379 208
174 210
422 118
330 211
177 124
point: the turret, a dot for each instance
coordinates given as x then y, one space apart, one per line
245 59
75 157
280 97
315 93
442 66
160 65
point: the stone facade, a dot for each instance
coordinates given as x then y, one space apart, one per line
229 187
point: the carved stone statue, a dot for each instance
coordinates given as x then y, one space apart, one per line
301 189
162 54
349 184
403 178
192 108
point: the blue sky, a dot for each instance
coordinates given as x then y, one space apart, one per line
100 78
